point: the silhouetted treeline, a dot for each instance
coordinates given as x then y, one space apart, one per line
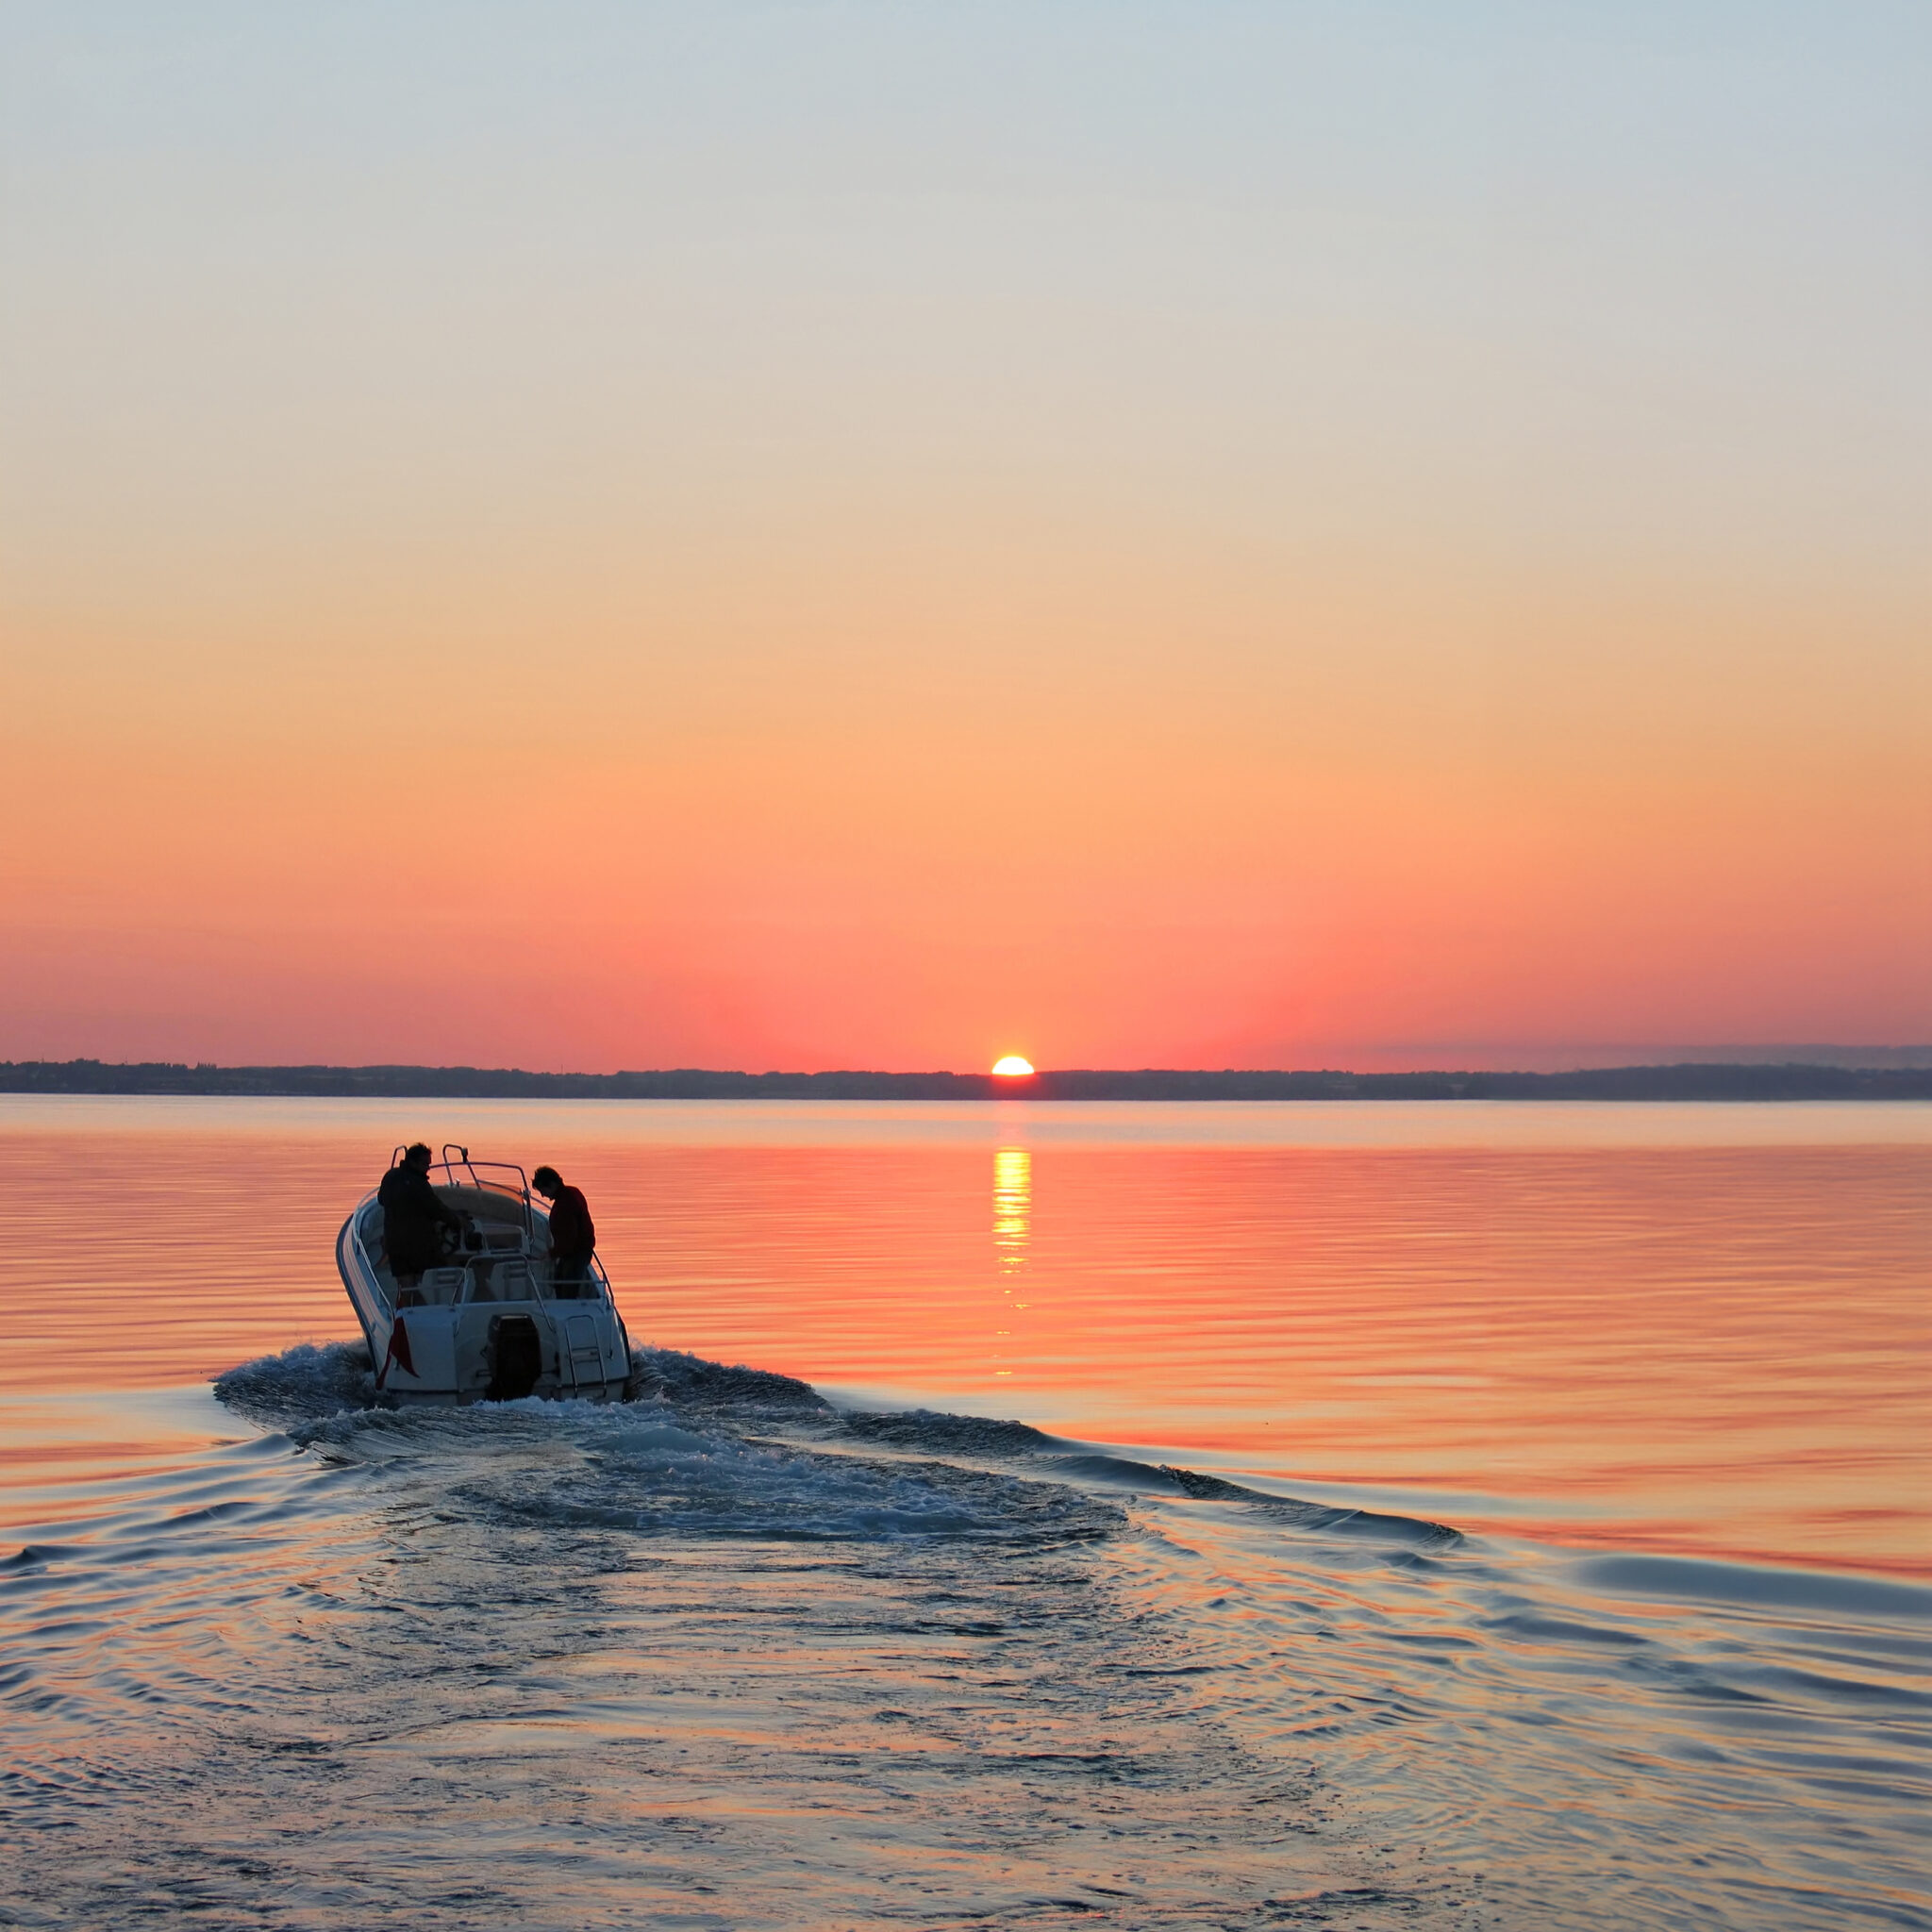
1797 1081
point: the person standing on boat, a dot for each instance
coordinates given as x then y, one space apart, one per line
413 1217
572 1233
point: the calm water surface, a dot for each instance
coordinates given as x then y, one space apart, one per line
1221 1516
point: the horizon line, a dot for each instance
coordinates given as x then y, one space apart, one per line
1679 1080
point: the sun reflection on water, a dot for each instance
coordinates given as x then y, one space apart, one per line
1013 1207
1012 1215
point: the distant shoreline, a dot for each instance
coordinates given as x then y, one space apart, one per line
1795 1081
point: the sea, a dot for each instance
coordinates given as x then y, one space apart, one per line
1345 1514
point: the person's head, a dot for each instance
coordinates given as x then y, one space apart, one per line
417 1157
547 1182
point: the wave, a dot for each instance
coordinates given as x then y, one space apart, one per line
717 1449
1318 1519
302 1382
647 1470
692 1456
688 1381
1746 1585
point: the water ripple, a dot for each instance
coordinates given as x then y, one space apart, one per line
732 1656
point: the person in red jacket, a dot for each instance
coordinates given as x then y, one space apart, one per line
572 1233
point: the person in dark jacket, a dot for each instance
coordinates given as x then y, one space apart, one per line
413 1218
572 1233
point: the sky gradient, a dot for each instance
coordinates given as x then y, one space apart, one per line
608 537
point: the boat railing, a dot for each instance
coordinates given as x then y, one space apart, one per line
487 1287
466 1280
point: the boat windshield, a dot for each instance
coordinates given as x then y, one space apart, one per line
503 1179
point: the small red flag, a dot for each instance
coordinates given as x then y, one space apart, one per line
398 1352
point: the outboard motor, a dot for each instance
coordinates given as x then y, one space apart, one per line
515 1355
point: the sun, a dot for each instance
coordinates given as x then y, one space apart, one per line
1014 1067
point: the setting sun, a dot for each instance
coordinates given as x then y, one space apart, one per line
1014 1067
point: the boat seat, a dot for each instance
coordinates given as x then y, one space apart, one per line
513 1283
442 1286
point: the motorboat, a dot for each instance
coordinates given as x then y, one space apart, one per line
493 1321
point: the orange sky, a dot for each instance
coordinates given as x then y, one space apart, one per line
646 581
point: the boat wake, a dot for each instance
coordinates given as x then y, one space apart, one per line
711 1449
